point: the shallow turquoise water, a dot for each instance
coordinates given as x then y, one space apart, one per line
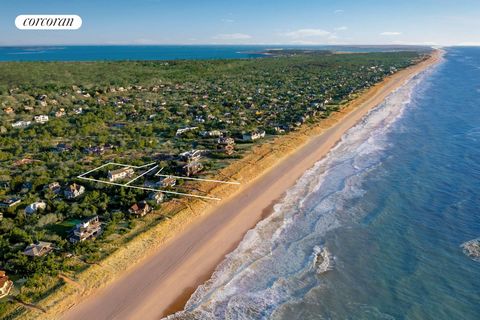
392 203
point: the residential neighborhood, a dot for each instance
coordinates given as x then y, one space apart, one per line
189 119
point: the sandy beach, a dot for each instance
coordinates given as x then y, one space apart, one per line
162 283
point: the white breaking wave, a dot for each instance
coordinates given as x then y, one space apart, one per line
272 266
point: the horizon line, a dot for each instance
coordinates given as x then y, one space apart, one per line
232 44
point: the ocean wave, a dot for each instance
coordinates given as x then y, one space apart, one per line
272 266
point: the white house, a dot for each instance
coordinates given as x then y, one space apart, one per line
34 207
41 118
120 174
252 136
21 124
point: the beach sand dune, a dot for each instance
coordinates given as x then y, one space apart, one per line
162 283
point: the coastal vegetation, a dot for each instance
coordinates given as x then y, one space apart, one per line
58 120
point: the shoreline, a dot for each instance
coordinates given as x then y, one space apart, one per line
170 270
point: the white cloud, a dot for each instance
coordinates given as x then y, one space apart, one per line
390 33
228 20
342 28
307 33
339 11
232 36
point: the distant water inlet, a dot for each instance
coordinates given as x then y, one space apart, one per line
284 259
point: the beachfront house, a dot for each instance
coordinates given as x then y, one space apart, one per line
6 284
168 181
157 197
74 191
192 155
88 229
120 174
226 144
140 209
192 168
38 249
252 136
34 207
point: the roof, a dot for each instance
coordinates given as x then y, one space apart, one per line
35 250
121 170
3 279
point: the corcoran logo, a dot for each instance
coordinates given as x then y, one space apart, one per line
48 22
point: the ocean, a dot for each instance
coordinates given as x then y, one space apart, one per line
159 52
390 206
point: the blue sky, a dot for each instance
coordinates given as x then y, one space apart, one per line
431 22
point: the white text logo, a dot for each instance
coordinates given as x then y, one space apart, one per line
48 22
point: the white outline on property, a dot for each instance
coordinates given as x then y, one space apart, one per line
127 185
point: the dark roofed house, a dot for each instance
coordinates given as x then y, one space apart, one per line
38 249
8 203
53 187
140 209
63 147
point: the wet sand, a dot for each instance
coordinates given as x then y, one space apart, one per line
162 283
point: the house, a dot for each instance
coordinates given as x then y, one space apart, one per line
225 140
41 119
213 133
157 197
140 209
228 149
227 145
8 110
120 174
38 249
53 187
192 155
21 124
8 203
34 207
60 113
168 181
63 147
78 111
6 284
183 130
98 150
152 184
74 191
24 161
192 168
252 136
88 229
